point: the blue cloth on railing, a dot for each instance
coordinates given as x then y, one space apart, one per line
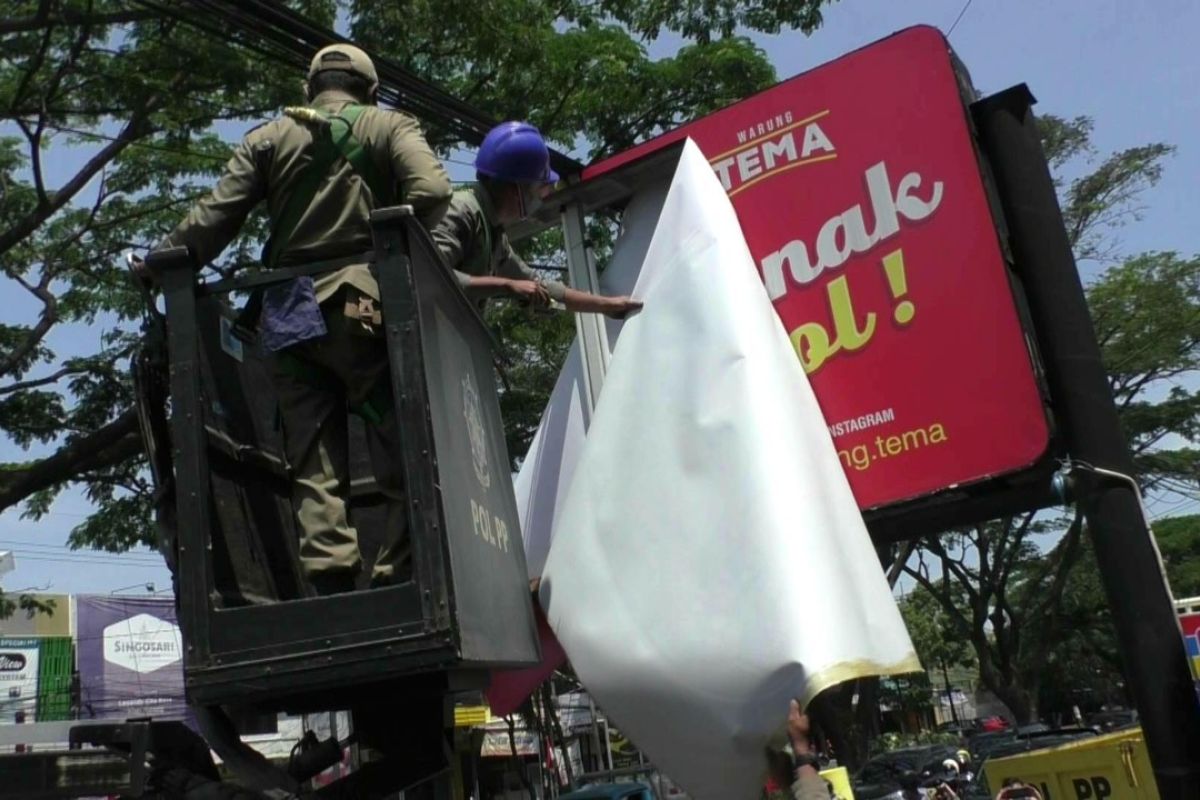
291 314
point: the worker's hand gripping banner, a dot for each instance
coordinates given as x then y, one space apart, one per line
708 559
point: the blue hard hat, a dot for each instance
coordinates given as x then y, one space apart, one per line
515 152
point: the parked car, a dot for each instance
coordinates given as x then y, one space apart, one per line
1019 740
981 744
961 729
1039 740
880 778
1113 720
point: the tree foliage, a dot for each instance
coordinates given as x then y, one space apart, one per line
115 117
110 116
1014 587
30 605
929 627
1179 543
932 634
582 71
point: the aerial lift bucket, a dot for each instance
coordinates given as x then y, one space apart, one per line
256 637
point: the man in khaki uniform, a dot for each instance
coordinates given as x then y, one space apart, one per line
513 171
321 170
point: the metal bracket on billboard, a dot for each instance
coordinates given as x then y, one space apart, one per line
581 269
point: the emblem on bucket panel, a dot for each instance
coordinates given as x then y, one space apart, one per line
473 413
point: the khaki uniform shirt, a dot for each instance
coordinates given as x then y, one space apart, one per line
473 243
270 160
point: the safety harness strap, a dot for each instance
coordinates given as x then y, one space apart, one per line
353 151
333 138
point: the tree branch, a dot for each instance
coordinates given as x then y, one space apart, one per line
478 84
51 89
34 137
983 547
133 129
45 322
1069 551
108 446
36 382
1013 551
35 64
944 600
898 565
953 566
551 119
88 226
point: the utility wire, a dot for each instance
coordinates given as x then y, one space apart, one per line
82 562
285 37
958 19
188 152
42 545
84 556
137 551
278 33
69 557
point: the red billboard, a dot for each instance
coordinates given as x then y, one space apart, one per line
859 191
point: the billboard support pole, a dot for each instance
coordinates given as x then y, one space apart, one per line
593 334
1148 632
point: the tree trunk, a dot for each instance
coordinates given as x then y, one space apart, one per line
866 716
108 445
851 728
1022 701
834 712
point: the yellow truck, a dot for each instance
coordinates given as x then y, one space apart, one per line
1115 766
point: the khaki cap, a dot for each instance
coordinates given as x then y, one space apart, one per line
344 57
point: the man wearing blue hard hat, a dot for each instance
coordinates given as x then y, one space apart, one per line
512 174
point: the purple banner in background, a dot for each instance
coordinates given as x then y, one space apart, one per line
130 656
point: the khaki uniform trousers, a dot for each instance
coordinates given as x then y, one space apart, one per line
340 372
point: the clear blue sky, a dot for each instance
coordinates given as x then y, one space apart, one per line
1133 67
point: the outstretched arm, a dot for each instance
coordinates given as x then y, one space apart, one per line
513 267
615 307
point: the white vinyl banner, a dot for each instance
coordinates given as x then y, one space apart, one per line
549 463
708 559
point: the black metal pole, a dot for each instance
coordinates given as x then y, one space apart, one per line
1144 614
176 273
949 692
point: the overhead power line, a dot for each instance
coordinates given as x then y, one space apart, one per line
179 151
958 19
117 564
145 552
89 555
276 32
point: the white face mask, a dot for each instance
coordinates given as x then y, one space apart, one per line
529 199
